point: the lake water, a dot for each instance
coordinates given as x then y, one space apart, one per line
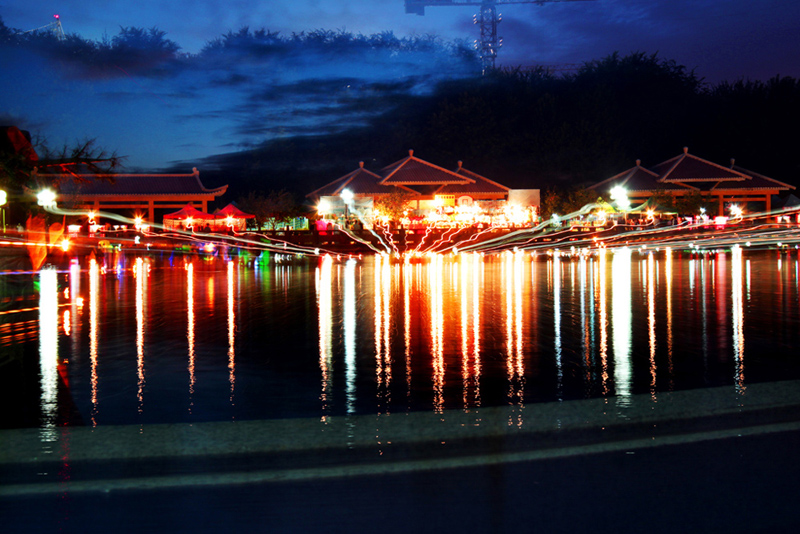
136 341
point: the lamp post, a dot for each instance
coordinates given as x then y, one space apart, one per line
3 197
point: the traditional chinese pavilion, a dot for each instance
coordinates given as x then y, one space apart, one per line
427 184
136 193
687 174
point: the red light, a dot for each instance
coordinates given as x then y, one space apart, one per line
56 16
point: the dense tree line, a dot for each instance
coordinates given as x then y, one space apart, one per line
534 129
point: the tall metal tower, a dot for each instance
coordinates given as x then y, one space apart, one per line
487 18
54 27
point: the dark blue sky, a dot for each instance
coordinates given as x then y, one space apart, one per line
184 115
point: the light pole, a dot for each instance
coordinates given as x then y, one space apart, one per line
3 197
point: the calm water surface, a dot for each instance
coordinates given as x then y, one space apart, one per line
145 340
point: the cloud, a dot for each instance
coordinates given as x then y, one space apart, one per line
140 96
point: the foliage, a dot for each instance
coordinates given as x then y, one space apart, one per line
563 201
17 171
278 206
688 204
392 205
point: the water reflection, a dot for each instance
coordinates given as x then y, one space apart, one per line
325 321
621 317
48 355
231 328
471 331
600 276
190 329
140 275
557 321
737 302
650 284
350 334
94 297
435 283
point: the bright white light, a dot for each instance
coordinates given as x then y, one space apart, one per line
46 198
3 197
346 195
323 206
620 196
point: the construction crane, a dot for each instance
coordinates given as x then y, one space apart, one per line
54 27
487 18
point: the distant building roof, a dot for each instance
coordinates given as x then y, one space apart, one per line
415 176
414 171
638 178
138 185
478 185
689 172
689 168
360 182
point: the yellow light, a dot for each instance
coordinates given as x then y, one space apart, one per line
65 245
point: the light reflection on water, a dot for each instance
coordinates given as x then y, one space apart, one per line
376 336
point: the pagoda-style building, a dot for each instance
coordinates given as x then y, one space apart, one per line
135 194
428 185
688 174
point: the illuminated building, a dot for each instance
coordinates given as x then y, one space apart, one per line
135 193
428 187
687 174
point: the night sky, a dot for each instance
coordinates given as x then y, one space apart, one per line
161 116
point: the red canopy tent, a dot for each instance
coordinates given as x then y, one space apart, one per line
188 216
233 217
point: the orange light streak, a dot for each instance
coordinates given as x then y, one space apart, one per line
231 329
190 329
94 298
140 276
651 320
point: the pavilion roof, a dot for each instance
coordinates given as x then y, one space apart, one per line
414 171
687 171
360 182
639 179
759 181
689 168
127 185
478 184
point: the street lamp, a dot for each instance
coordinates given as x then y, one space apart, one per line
620 197
46 198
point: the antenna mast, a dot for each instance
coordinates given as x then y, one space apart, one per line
55 27
487 18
